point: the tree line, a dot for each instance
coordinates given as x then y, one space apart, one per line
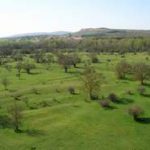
92 44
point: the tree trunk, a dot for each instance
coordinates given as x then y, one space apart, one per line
75 66
17 129
66 69
142 82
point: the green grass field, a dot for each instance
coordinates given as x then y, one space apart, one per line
71 122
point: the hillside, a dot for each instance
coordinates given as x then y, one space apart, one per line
88 32
106 32
41 34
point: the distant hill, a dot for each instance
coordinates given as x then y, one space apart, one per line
88 32
106 32
40 34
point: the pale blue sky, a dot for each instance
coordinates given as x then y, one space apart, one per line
24 16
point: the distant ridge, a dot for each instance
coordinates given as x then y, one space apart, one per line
88 32
57 33
106 32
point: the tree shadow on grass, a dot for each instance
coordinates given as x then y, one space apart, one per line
143 120
147 84
34 73
34 132
110 108
124 101
146 95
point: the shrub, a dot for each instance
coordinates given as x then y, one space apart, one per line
5 121
95 60
94 97
135 112
141 90
129 92
71 90
8 67
113 97
108 60
105 103
5 82
147 58
44 104
57 90
35 91
33 148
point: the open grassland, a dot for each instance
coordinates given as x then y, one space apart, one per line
54 119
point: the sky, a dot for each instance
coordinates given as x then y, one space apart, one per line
27 16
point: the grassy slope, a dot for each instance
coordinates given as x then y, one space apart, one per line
72 123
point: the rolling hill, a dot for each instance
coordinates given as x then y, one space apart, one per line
88 32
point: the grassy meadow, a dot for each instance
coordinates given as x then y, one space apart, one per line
54 119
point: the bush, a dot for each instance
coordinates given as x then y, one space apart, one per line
135 112
36 91
5 121
147 58
57 90
44 104
141 90
95 60
71 90
94 97
129 92
105 103
8 67
33 148
108 60
113 97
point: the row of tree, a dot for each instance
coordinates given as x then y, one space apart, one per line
28 46
140 71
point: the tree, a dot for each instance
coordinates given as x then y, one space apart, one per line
92 81
16 116
48 59
5 82
94 57
122 68
75 59
38 56
19 67
65 61
141 72
28 66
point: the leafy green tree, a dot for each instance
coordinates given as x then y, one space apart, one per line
5 82
19 67
122 68
28 66
92 81
65 61
16 116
